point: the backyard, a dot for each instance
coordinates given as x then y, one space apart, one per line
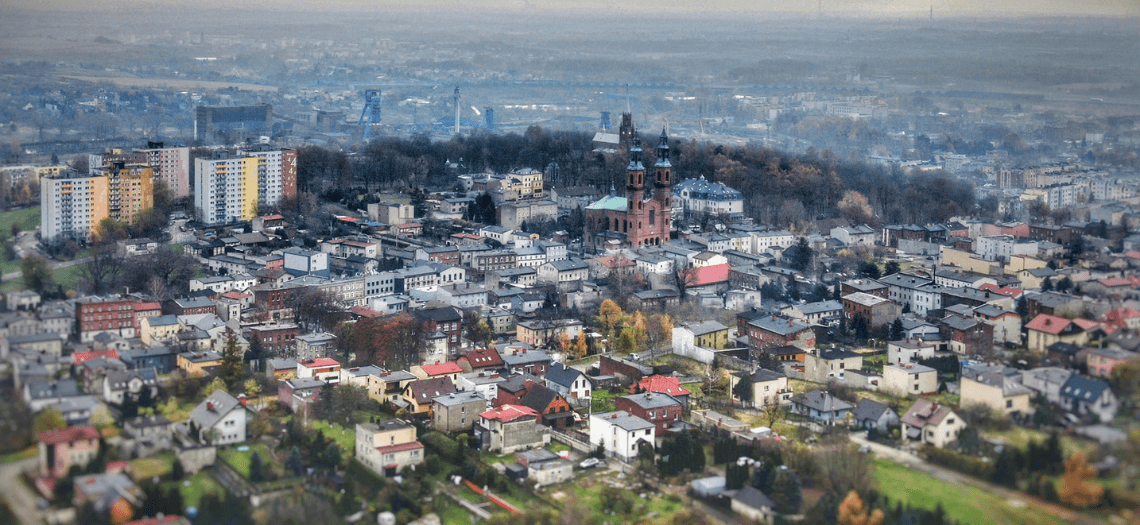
963 503
239 459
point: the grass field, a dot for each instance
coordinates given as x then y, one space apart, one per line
240 460
1020 438
965 504
29 452
27 218
147 468
200 484
345 437
68 277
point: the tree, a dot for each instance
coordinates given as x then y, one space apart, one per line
870 269
786 491
743 390
130 407
891 268
252 389
1005 470
214 386
1022 306
177 471
37 276
660 330
295 463
331 455
801 255
1077 486
609 315
580 346
774 411
101 273
255 467
48 419
256 353
852 512
338 404
1047 285
897 330
233 367
627 342
64 490
736 476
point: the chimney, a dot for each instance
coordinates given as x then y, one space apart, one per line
613 416
210 406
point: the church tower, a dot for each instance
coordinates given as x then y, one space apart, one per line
635 185
663 182
626 131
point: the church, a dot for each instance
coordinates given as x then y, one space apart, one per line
638 219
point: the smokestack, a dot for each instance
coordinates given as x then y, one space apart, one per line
456 110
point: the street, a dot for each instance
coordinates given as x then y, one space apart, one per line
21 499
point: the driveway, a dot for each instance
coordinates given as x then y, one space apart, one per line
21 499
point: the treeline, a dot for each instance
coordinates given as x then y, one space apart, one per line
779 188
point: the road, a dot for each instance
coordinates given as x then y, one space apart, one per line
903 457
21 499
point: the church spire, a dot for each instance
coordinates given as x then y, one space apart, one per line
663 151
635 153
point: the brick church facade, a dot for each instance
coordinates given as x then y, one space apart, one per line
636 220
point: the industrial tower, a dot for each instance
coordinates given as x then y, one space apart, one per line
370 115
456 110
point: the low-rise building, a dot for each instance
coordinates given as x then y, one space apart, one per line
873 414
931 423
995 386
388 447
662 410
620 434
822 407
510 428
218 420
909 379
768 387
457 411
63 448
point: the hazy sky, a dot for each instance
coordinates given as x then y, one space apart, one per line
884 8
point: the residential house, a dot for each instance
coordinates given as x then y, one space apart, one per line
325 369
967 336
218 420
928 422
447 320
909 379
481 359
765 332
544 467
995 386
823 365
457 411
768 387
662 410
1046 329
1086 396
876 311
117 385
316 345
60 449
284 368
1006 324
826 313
909 350
450 370
873 414
1101 361
620 434
707 334
570 383
553 410
300 392
485 383
525 361
510 428
419 394
660 384
197 363
388 447
822 407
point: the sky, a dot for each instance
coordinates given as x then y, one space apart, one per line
875 8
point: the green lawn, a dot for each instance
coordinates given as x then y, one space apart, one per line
966 504
150 467
240 460
603 400
453 513
68 277
27 218
201 484
29 452
345 437
1021 436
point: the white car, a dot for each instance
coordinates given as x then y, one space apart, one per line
589 463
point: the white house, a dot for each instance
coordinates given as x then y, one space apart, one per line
931 423
620 433
909 379
218 420
861 235
909 351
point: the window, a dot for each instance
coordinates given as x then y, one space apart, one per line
1009 403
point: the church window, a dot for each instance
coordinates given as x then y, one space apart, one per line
652 216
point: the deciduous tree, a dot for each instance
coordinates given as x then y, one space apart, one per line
1078 487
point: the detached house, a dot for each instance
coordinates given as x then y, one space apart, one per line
60 449
931 423
768 387
1046 329
660 409
873 414
995 386
218 420
568 382
119 384
420 394
1085 396
510 428
620 433
389 447
822 407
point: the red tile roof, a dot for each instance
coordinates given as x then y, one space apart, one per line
661 384
615 262
508 413
399 448
1011 292
484 357
364 311
717 273
82 357
68 435
442 369
324 361
1049 324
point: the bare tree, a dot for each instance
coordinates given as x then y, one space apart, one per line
101 274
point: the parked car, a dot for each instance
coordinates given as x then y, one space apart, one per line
589 463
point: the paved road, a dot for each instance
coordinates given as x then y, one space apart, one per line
914 462
21 499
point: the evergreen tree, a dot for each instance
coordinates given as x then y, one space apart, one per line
897 330
1022 307
1047 285
735 476
743 389
233 368
786 491
256 467
1005 469
891 268
295 463
130 407
177 471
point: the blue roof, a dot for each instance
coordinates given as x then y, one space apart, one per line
609 202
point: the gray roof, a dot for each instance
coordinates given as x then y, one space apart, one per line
869 409
625 421
302 383
819 307
459 398
567 265
822 402
762 375
653 400
778 325
706 327
750 496
223 404
1084 389
50 389
563 375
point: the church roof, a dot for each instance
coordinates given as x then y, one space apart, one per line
609 202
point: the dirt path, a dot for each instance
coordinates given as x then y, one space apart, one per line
21 500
